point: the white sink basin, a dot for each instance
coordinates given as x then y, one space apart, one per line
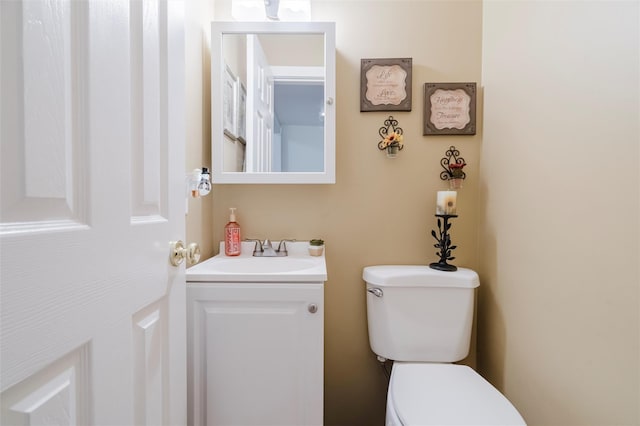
262 265
298 266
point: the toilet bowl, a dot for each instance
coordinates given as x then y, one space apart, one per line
445 394
421 319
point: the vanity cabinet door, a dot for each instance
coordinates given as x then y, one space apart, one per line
255 354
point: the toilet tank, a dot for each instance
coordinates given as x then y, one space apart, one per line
419 314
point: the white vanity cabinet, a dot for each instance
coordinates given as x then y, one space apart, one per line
255 353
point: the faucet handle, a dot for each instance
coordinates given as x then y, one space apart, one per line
258 247
282 246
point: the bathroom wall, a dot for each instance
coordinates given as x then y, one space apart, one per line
380 210
198 17
551 223
559 259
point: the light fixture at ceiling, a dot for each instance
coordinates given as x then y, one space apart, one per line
274 10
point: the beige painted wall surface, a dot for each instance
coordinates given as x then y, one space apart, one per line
558 223
559 309
198 17
380 210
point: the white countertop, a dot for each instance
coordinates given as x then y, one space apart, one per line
298 266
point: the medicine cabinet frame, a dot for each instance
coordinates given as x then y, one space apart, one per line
218 71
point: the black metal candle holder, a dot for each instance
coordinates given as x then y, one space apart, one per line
444 244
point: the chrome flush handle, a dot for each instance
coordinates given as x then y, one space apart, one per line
376 291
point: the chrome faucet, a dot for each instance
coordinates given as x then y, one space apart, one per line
258 246
282 247
265 248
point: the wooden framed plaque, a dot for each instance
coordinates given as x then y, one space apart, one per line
449 109
385 84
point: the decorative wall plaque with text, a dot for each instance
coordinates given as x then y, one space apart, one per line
385 84
449 109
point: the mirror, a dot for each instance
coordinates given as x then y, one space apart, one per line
272 102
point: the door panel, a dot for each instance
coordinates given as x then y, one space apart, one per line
56 395
147 93
45 114
150 345
260 107
93 315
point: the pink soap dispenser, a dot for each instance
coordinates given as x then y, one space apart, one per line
232 241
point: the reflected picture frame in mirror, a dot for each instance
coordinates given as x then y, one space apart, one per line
286 151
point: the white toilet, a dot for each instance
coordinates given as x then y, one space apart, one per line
421 319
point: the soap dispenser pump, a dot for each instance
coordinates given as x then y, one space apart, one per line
232 240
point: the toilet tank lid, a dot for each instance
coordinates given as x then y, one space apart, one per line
419 276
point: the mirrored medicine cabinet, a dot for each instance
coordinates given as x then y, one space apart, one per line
273 102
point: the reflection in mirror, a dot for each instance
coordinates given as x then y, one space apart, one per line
283 103
277 105
299 126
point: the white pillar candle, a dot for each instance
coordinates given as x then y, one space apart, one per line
446 202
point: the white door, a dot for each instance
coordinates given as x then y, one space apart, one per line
259 107
92 191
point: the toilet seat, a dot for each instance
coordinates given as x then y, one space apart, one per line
445 394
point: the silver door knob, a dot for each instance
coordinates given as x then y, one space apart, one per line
178 252
313 308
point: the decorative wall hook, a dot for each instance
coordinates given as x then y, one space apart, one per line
391 136
452 164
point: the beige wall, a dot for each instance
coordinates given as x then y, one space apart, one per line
380 210
559 316
198 17
545 325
